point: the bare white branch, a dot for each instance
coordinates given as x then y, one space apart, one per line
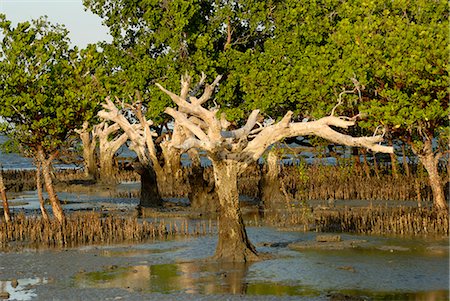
245 130
208 129
182 120
192 143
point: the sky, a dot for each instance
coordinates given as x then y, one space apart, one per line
84 26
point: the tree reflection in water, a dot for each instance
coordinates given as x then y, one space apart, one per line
189 277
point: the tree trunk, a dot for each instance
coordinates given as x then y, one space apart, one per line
271 195
202 194
107 168
150 196
375 166
54 201
39 190
6 211
430 162
108 147
233 244
89 157
170 176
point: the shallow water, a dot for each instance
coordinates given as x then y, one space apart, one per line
28 200
389 269
22 289
383 269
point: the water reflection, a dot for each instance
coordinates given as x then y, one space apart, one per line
384 269
188 277
208 278
21 289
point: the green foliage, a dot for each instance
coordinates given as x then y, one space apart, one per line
10 146
158 41
399 52
40 84
289 55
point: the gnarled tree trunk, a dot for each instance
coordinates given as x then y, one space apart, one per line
89 156
233 243
39 190
6 212
170 175
46 172
141 142
232 150
150 196
107 168
430 162
271 193
108 146
356 160
202 194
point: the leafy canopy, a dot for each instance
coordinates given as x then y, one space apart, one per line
40 84
290 55
157 41
399 50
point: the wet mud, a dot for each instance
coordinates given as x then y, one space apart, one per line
379 268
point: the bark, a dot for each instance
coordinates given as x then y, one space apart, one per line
170 175
430 161
107 149
6 211
202 194
233 244
141 142
89 157
39 191
375 166
231 150
271 192
150 196
46 172
107 167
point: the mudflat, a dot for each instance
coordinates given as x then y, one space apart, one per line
176 269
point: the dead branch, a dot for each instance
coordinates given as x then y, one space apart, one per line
207 132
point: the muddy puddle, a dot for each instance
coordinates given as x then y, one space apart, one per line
20 289
88 198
